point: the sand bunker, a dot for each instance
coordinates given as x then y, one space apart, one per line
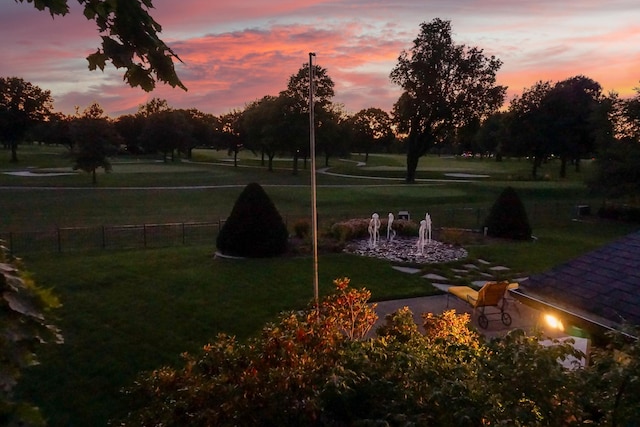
31 174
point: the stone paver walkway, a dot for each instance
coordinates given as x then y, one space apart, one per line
432 266
404 256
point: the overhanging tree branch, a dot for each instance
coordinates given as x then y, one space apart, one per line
129 40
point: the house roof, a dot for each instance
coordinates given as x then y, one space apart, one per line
602 286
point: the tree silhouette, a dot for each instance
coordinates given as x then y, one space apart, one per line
445 86
22 105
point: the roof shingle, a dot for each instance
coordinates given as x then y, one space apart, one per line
604 282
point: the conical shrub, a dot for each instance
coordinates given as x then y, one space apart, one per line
254 228
508 217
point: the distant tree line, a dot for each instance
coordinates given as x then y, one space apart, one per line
270 126
450 104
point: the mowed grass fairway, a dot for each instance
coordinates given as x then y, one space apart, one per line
146 190
129 311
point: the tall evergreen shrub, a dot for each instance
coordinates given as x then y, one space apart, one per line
508 217
254 228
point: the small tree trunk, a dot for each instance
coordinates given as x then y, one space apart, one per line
14 151
536 163
415 150
412 165
295 163
271 156
563 167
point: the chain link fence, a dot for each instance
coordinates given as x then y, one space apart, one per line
118 237
473 217
67 239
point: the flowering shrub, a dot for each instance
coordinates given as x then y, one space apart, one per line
399 325
348 310
317 367
302 229
350 229
619 212
274 379
453 236
450 327
404 227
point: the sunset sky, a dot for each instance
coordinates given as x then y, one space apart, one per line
235 52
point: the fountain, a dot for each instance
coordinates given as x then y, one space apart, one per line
404 249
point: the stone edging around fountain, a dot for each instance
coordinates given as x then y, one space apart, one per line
405 250
218 254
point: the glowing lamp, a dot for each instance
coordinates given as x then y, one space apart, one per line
553 322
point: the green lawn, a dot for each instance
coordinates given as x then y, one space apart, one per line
128 311
149 191
131 311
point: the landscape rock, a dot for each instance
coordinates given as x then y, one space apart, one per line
405 250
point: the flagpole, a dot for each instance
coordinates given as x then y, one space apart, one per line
314 213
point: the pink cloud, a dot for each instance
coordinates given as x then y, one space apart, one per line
608 57
236 52
240 67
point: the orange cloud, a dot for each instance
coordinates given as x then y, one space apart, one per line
236 52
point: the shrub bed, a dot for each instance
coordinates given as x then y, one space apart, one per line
358 228
619 212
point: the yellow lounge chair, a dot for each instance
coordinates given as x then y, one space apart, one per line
490 295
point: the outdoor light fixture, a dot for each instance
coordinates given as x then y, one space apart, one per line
553 322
